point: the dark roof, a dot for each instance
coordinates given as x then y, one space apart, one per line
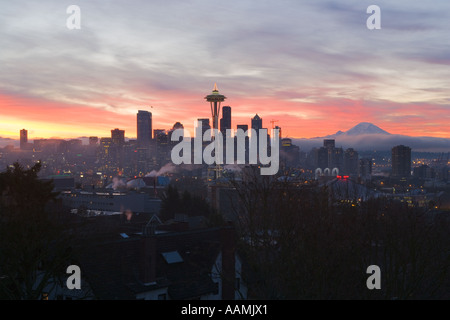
113 267
192 277
108 267
192 288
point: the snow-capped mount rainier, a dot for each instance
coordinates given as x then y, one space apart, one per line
367 136
362 128
365 128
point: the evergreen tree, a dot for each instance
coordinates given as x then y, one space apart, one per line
34 248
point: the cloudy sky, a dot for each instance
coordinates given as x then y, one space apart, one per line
312 65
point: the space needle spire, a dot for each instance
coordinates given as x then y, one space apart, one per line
215 99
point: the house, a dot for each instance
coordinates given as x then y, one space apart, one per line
163 265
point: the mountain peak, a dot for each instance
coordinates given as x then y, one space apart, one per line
365 128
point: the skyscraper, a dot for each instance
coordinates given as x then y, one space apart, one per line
256 123
118 136
204 122
335 156
401 161
105 156
116 150
157 133
351 162
365 169
144 128
23 139
321 158
225 122
289 154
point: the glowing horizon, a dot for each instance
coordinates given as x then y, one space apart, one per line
47 119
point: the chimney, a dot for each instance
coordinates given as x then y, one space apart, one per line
148 264
228 262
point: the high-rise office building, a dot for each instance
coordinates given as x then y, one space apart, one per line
161 141
256 123
424 172
365 169
204 122
289 154
159 132
117 148
144 128
335 155
351 162
225 122
23 139
118 136
330 157
321 158
401 161
105 154
336 158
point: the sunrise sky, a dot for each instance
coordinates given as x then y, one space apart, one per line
312 65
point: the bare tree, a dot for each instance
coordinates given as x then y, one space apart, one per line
301 241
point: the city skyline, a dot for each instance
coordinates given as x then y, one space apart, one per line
240 150
363 136
314 67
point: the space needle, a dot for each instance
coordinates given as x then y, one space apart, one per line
215 99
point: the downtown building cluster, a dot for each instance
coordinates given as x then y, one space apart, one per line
115 161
